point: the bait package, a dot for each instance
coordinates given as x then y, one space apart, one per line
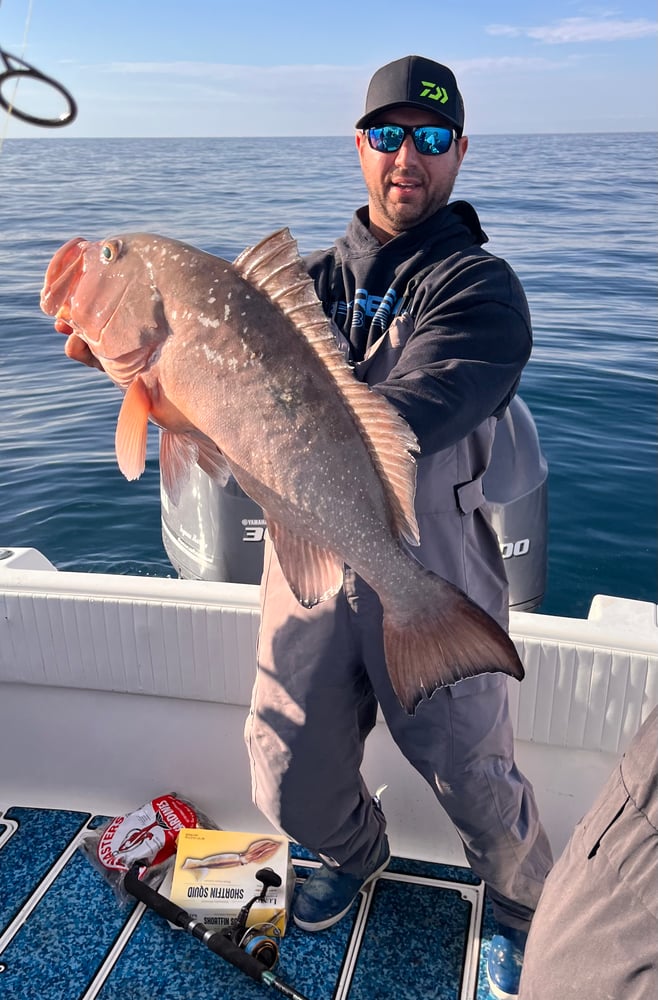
147 836
218 871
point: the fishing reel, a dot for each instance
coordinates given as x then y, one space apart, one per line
253 940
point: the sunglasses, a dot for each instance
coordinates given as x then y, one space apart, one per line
430 140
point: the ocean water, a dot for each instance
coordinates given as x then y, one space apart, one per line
576 215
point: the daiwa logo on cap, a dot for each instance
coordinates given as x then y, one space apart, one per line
414 82
434 91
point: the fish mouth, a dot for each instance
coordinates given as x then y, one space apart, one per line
62 277
62 322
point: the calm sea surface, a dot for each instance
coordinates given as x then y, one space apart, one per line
576 215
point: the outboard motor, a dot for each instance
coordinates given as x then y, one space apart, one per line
515 484
217 533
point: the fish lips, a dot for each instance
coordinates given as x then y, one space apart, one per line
62 276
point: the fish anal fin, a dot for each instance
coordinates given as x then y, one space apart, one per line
448 639
314 574
132 429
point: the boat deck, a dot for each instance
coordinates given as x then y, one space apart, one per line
420 931
115 689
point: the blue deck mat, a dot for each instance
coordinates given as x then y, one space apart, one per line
31 851
65 939
412 947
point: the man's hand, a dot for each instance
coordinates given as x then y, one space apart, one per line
77 349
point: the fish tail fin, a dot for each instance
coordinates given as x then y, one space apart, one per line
445 638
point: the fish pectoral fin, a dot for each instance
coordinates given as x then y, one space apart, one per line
212 461
132 427
179 453
314 574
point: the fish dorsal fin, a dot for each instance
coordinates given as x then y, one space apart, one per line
274 266
314 574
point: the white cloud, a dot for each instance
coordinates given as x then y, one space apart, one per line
580 29
502 64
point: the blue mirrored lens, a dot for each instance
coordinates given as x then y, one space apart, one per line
431 140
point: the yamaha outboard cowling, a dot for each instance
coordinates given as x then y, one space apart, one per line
217 533
515 484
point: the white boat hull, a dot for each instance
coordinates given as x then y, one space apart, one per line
114 689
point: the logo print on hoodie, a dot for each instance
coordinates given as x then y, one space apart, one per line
374 310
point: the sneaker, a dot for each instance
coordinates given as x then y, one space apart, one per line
328 893
505 962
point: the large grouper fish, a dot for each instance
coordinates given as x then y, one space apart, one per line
237 363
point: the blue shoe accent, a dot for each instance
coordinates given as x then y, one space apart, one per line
328 893
505 962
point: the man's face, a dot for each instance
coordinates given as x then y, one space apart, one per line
406 187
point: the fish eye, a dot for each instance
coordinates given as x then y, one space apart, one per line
110 250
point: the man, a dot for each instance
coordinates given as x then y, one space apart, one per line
595 934
441 328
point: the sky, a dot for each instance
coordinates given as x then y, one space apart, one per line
262 68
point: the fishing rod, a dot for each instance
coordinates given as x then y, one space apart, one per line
255 964
16 69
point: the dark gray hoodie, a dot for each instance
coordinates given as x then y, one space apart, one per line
441 328
466 315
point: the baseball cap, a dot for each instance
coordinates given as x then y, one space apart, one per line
417 83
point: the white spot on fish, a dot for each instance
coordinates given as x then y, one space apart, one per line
208 322
227 313
213 356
